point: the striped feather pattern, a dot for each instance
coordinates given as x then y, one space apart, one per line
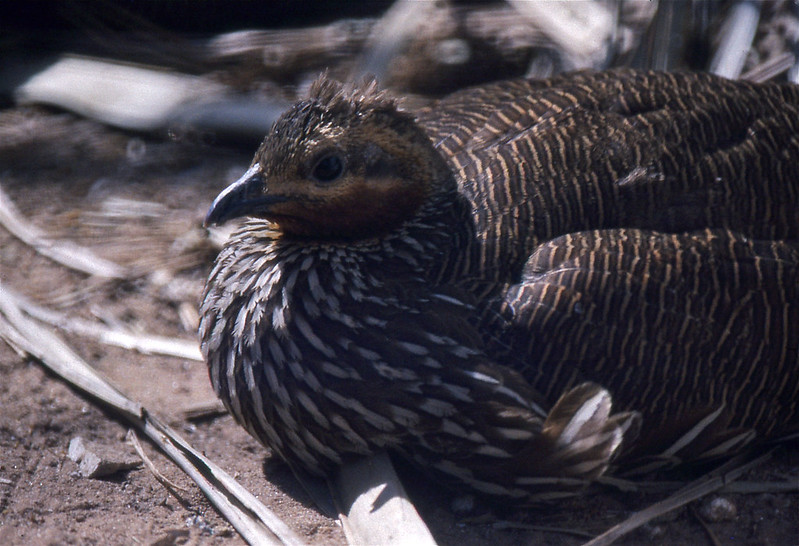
627 236
671 152
325 371
678 325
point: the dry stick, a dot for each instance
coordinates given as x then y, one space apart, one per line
374 507
736 40
20 332
690 493
66 253
120 94
204 410
251 519
740 487
771 68
143 343
542 529
147 98
168 484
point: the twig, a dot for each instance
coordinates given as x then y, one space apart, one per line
66 253
148 98
144 343
29 337
169 485
204 410
771 68
691 492
737 35
374 507
739 487
120 94
541 528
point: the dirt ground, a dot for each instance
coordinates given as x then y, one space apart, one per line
140 201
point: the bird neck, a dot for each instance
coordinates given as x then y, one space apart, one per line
426 243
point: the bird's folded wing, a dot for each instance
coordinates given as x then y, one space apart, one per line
670 152
697 331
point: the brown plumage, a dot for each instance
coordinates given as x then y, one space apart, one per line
443 285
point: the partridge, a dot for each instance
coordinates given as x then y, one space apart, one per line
468 285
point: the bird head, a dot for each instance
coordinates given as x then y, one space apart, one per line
345 163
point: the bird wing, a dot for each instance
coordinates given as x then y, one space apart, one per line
664 151
697 331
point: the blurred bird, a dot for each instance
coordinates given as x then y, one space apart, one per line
468 286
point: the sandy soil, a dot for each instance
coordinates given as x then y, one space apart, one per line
68 176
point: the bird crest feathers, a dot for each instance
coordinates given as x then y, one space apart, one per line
350 99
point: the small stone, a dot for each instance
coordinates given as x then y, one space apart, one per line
76 449
718 509
97 461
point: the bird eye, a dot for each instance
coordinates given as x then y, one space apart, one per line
328 168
